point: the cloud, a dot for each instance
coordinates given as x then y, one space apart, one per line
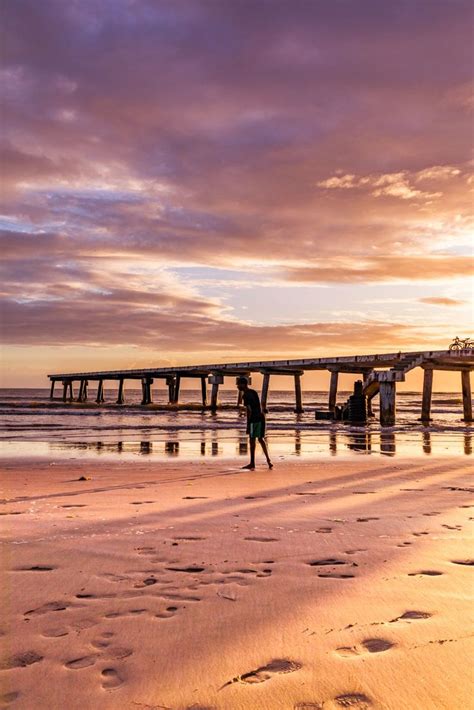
292 141
384 268
441 301
398 184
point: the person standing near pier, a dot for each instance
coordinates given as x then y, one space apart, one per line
255 422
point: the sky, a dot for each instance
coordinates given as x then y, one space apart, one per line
197 181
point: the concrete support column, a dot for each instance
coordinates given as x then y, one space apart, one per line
466 395
71 391
82 395
51 392
214 396
170 383
215 381
333 391
427 390
204 391
120 397
100 392
176 389
387 403
146 389
370 412
65 386
265 386
298 399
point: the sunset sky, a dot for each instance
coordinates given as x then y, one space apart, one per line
187 181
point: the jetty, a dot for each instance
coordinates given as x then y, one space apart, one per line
380 374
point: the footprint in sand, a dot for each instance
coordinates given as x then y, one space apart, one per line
365 520
188 538
329 561
85 624
435 512
55 632
418 534
308 706
409 615
262 539
335 575
74 506
353 552
111 679
371 645
147 582
36 568
452 527
260 675
353 700
20 660
8 698
425 572
467 563
168 613
46 608
82 662
190 570
323 530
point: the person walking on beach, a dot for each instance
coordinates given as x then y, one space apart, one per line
255 422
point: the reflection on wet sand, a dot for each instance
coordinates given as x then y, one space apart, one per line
298 443
467 443
427 442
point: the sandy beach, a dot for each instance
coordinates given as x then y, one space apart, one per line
319 585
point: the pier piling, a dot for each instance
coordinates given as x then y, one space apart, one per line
51 392
177 385
215 380
298 398
333 390
100 392
387 403
466 395
265 386
170 380
427 392
146 390
204 391
120 397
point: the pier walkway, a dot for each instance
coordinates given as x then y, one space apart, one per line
380 374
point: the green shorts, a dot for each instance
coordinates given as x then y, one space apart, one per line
256 430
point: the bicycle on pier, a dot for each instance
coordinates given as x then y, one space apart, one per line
461 344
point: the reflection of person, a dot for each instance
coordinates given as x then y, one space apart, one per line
255 421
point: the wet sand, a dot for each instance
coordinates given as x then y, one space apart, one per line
332 584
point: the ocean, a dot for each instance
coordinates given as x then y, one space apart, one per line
32 427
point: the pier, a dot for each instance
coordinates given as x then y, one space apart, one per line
380 374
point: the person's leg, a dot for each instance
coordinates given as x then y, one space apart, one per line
264 446
251 465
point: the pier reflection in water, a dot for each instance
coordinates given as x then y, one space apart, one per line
228 444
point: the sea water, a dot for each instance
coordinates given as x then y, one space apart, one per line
32 427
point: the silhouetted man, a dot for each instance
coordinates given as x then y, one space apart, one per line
255 421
